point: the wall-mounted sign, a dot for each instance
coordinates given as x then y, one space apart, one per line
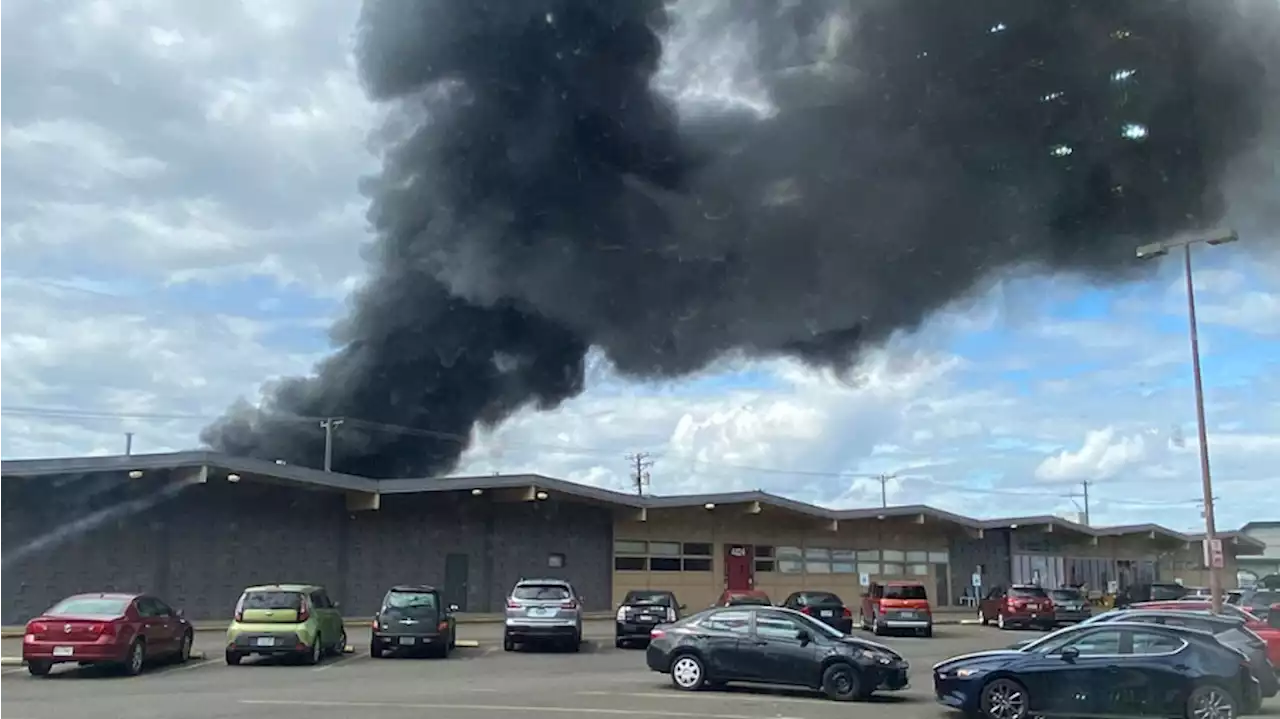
864 579
976 579
737 551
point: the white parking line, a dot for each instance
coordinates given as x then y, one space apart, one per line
189 666
498 708
715 696
345 658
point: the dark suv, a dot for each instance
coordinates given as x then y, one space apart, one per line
413 618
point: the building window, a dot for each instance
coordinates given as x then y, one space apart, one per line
764 558
637 556
870 569
918 557
871 555
630 564
919 570
893 555
817 567
893 570
555 560
938 557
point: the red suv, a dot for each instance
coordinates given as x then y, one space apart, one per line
1021 605
896 605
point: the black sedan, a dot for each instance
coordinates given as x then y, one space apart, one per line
1111 668
641 611
826 607
772 645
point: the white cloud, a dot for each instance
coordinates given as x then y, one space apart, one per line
1102 456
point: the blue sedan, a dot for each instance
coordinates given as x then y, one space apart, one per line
1116 669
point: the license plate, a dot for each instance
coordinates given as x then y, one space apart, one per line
828 613
1035 616
542 612
265 641
63 651
1033 607
647 618
408 640
908 615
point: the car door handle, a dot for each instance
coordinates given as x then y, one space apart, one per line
760 642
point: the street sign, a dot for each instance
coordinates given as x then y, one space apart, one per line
976 579
864 579
1213 556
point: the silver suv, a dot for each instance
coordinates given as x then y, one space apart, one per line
543 610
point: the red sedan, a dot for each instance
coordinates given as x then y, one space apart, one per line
120 629
1269 634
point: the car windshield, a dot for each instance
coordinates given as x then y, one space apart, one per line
413 601
541 592
905 591
1066 595
90 607
659 598
1027 593
809 599
272 600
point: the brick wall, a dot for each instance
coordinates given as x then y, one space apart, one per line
199 546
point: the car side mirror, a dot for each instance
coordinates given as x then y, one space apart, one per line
1273 616
336 605
1070 654
682 607
804 636
453 607
178 613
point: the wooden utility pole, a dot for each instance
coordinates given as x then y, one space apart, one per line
640 470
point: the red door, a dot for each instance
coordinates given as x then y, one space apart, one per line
739 565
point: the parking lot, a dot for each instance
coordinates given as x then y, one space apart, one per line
480 682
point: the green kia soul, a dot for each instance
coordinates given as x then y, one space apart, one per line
296 620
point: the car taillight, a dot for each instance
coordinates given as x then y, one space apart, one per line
239 617
513 604
846 614
569 605
656 634
37 628
671 614
108 629
304 610
442 627
806 610
622 613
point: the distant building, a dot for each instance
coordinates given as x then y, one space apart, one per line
1253 568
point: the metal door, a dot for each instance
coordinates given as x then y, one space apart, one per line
456 580
738 567
941 590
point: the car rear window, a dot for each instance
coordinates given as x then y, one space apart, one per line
905 591
412 600
659 598
1165 592
271 600
1066 595
541 592
89 607
1027 593
809 599
748 600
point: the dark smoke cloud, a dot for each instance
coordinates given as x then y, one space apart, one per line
539 197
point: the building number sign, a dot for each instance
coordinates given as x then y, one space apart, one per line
737 551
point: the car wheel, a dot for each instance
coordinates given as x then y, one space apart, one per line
184 649
233 658
688 673
315 652
376 651
575 643
39 667
341 646
508 644
1004 699
453 638
982 618
876 628
136 657
1211 702
1000 621
928 632
620 643
841 683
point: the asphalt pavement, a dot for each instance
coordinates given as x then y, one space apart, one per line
481 682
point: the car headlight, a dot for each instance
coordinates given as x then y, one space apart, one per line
965 672
876 657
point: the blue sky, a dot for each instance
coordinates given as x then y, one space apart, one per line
153 274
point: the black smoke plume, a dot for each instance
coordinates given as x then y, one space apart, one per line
544 192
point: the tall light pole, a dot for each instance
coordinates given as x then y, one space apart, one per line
1159 249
